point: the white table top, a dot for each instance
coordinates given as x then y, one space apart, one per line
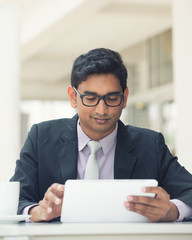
34 229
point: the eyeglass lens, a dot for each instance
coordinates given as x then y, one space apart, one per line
111 100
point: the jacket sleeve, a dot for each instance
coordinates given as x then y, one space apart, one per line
26 171
174 178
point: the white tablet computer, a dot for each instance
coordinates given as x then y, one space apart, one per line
101 200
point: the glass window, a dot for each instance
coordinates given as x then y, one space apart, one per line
169 123
165 58
160 59
133 78
138 115
153 55
35 111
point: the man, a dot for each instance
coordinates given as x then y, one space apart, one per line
57 150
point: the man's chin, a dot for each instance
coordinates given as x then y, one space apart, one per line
102 128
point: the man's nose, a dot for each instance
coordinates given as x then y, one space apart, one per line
101 107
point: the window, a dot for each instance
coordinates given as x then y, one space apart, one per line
160 59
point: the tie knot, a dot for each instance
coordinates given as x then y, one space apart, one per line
94 146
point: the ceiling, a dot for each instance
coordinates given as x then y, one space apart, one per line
54 33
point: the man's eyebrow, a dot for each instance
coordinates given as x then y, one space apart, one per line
95 94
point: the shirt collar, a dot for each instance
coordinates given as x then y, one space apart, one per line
106 143
83 139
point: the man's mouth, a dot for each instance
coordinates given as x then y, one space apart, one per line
101 120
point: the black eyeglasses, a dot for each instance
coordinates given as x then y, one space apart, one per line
91 100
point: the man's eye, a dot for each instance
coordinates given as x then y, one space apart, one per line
112 98
91 98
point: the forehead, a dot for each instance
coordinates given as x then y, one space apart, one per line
101 84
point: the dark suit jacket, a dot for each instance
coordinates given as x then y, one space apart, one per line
50 154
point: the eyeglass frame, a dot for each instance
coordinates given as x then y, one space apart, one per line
99 98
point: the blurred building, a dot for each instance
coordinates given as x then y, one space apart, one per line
153 36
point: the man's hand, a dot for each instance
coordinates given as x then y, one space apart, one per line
50 206
158 209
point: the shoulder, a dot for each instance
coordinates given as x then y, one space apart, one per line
139 135
54 126
57 122
136 131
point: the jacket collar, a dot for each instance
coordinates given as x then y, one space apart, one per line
70 129
124 159
67 149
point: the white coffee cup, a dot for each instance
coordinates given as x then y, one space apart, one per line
9 198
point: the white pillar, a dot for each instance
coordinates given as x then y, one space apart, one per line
9 89
182 63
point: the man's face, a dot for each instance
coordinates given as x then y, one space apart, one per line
98 121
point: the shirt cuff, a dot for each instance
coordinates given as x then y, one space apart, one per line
26 212
185 211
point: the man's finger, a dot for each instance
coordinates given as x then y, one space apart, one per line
144 208
60 190
150 216
46 207
156 190
143 200
57 189
51 198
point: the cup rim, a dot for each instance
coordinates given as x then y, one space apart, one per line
7 183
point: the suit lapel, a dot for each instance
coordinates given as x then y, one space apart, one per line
67 149
124 160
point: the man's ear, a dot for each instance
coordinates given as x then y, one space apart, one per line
72 96
126 93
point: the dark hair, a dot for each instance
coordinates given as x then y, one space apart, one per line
98 61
